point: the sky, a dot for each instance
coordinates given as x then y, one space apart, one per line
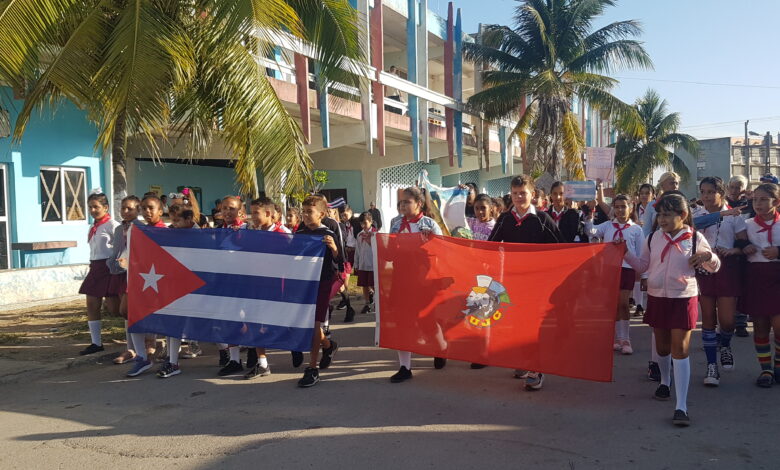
726 42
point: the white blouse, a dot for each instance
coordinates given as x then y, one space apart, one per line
633 235
723 234
761 240
101 245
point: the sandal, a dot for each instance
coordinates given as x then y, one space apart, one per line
125 357
765 380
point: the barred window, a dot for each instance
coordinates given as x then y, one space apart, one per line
63 194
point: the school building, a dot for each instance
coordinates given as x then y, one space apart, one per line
370 144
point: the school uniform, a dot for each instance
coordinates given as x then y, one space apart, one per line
481 230
531 227
99 281
648 217
727 282
632 234
569 222
364 257
672 290
332 267
762 279
349 246
120 251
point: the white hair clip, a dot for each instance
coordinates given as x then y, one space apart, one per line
97 190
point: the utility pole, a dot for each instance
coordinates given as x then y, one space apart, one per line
747 155
768 143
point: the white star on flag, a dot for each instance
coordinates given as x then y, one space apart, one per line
150 279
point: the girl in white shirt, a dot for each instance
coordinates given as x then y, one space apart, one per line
762 293
100 283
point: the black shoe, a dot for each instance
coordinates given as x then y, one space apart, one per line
251 358
310 377
231 368
639 311
350 316
366 309
402 374
653 372
741 331
371 298
327 355
224 357
257 371
439 362
631 302
681 418
662 393
297 358
91 349
474 365
342 305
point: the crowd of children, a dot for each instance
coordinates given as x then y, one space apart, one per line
718 252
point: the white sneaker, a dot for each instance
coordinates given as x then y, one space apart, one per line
713 376
625 348
617 346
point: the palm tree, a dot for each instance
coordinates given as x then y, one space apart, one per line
637 156
155 68
553 56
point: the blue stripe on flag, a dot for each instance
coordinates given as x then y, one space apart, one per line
255 241
258 287
230 332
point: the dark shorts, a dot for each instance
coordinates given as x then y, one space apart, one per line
365 278
627 278
99 281
672 314
727 282
326 292
762 290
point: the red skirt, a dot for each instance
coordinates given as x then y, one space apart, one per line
365 278
672 314
727 282
99 281
762 289
627 278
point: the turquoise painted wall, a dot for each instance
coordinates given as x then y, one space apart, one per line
352 181
64 139
214 181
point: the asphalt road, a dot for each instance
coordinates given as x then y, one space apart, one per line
93 417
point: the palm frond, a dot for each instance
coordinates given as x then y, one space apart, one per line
573 146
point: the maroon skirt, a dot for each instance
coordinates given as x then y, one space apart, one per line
727 282
672 314
119 285
326 292
627 278
762 289
365 278
99 281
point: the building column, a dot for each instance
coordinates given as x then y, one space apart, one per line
378 61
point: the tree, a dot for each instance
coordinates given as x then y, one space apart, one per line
150 68
637 156
553 56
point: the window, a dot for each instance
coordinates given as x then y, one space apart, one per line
63 194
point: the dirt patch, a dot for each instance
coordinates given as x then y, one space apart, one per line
52 332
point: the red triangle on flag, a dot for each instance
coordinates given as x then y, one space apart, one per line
155 278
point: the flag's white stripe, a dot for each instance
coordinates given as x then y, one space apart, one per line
305 268
242 310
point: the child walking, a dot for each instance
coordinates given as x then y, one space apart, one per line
100 283
672 301
364 258
762 293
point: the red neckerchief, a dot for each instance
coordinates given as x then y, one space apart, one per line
278 228
619 233
557 217
366 236
519 219
641 210
235 224
676 243
767 227
159 223
407 224
98 223
293 228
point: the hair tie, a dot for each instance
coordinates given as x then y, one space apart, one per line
185 191
95 191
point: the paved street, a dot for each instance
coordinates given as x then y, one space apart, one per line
93 417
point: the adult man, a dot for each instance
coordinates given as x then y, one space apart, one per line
737 198
376 215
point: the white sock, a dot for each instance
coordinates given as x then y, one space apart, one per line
682 378
263 361
626 329
94 331
665 364
405 359
637 294
644 300
235 353
222 345
139 341
618 331
128 338
174 344
653 351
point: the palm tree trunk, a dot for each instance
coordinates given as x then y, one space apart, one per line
119 161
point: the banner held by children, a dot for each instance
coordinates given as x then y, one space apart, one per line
448 207
247 287
523 306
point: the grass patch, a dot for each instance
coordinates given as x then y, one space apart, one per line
12 338
75 326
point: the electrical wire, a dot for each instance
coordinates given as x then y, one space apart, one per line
737 85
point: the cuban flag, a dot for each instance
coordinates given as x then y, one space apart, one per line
243 287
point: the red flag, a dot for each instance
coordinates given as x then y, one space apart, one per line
546 308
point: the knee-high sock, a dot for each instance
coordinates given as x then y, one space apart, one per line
682 378
653 350
94 331
345 298
725 338
777 354
405 359
637 294
235 353
618 331
626 330
665 364
128 339
139 342
764 353
708 338
174 344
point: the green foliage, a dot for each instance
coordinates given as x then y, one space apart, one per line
553 55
